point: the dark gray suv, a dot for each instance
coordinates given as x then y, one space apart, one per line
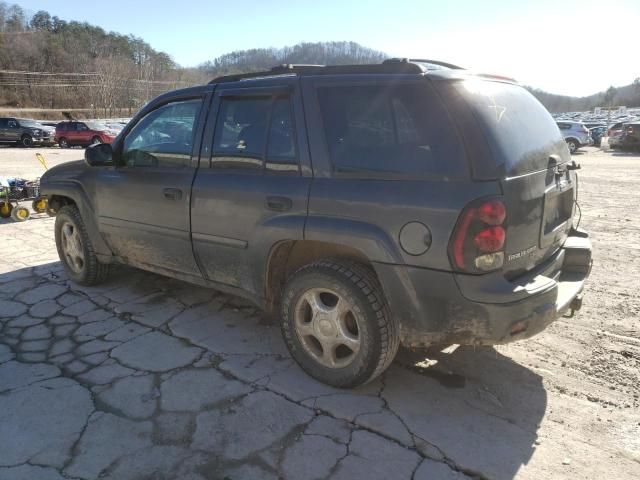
24 132
366 206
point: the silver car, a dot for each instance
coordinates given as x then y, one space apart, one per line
576 134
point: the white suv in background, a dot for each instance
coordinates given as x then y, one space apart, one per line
576 134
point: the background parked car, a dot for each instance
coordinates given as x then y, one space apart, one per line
615 128
597 133
630 137
615 136
576 134
24 132
83 133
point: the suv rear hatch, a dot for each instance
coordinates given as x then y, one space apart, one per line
523 148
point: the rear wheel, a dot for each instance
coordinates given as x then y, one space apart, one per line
5 209
75 249
573 146
337 324
63 143
39 205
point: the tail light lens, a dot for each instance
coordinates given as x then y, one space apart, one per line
478 240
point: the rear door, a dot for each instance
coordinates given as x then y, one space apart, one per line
143 203
252 187
3 130
529 155
390 171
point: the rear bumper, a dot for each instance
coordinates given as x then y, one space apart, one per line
443 307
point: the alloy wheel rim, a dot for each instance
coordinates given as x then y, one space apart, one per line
72 247
327 327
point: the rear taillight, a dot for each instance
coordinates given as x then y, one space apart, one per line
478 240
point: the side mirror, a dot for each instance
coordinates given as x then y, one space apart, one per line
99 155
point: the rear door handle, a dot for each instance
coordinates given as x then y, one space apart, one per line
172 193
279 204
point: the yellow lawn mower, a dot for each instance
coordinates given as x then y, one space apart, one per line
16 190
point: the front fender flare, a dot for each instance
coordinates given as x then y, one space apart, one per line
74 190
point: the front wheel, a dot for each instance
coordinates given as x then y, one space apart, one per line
26 141
63 143
75 249
95 140
20 214
337 324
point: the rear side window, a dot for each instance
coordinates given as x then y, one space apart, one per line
387 130
251 130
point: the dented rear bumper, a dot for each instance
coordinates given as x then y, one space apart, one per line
444 307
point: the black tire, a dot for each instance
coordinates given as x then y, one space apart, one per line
93 272
96 140
63 143
5 209
26 141
573 146
39 205
377 329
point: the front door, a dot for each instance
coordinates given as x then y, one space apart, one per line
12 132
254 192
143 203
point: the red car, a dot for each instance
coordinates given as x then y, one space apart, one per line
83 133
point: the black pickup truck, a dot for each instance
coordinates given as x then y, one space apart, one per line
366 206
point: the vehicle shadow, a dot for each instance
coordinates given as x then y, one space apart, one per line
476 405
622 153
475 408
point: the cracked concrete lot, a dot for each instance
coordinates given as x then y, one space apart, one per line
149 377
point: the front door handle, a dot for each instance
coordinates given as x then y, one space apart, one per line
172 193
279 204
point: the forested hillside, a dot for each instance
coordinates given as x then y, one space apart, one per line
49 63
628 95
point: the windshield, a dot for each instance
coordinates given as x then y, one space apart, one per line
28 123
521 132
96 125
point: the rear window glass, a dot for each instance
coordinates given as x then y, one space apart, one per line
521 132
383 130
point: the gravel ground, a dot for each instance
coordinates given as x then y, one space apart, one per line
22 162
148 377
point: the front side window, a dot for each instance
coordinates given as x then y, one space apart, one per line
164 137
13 124
251 130
389 130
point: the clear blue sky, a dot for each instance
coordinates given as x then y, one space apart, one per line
574 47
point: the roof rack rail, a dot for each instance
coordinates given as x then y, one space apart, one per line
423 60
392 65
